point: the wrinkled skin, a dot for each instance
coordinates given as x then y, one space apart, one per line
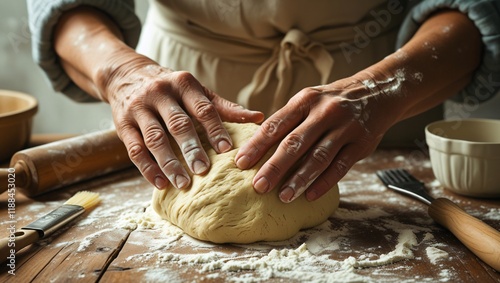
148 101
325 128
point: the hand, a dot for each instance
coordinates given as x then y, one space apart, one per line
149 101
325 129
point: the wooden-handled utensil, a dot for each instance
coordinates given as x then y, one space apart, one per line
51 166
48 224
481 239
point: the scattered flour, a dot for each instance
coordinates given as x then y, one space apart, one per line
428 237
35 207
330 252
89 240
390 86
493 214
320 254
159 275
401 55
326 253
285 263
418 76
435 254
403 250
399 158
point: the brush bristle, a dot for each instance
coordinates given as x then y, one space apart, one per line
85 199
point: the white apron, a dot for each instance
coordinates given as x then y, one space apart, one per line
259 53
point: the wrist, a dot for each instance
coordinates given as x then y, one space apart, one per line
395 81
107 71
86 41
380 95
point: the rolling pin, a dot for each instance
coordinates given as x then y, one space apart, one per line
51 166
39 139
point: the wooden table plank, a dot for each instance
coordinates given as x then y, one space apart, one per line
83 250
74 263
102 247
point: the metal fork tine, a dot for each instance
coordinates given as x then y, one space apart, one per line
402 175
395 176
384 177
402 181
407 176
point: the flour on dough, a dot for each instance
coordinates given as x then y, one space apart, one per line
222 206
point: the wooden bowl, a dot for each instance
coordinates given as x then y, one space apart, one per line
16 119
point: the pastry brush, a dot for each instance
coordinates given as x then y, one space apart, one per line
48 224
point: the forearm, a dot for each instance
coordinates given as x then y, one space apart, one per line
87 41
434 65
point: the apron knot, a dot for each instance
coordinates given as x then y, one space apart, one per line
295 46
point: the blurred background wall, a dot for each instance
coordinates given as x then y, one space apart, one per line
58 114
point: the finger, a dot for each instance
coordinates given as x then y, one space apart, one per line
201 108
198 105
181 128
271 132
232 112
340 165
317 161
291 149
138 153
158 144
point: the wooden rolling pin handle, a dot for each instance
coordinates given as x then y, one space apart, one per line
39 139
481 239
57 164
15 242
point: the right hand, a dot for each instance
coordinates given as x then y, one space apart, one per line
148 101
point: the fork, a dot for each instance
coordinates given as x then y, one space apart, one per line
480 238
402 181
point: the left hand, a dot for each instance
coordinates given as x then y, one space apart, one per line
327 129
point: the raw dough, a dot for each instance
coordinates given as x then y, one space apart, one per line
222 206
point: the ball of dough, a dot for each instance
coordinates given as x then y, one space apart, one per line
222 206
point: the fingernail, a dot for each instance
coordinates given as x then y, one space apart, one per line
287 194
262 185
311 195
224 146
243 162
160 183
199 167
181 181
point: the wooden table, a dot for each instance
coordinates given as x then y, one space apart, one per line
95 248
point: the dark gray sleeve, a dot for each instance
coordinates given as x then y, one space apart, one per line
43 16
486 16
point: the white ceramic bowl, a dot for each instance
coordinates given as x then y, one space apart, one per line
16 117
465 155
